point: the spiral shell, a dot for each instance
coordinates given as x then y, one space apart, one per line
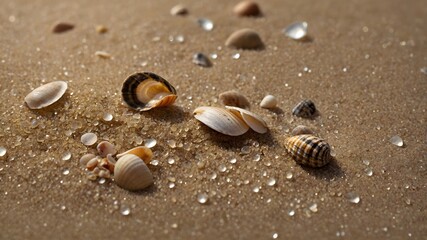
304 109
309 150
144 91
132 173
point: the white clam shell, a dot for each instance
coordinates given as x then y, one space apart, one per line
46 95
269 101
221 120
251 119
104 148
131 173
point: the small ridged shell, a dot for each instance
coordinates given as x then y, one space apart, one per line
304 109
104 148
301 130
309 150
144 91
235 99
269 101
132 173
221 120
142 152
253 120
46 95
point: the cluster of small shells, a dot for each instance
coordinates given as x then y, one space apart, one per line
130 171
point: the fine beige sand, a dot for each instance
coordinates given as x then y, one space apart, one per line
361 67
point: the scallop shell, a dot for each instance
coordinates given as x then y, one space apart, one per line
304 109
144 91
46 95
251 119
132 173
309 150
268 101
235 99
142 152
221 120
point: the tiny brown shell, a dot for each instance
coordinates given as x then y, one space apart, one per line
309 150
234 99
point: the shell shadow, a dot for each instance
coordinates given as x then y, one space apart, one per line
307 39
56 106
276 110
328 172
171 114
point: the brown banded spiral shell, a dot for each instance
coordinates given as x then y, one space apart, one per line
305 109
309 150
144 91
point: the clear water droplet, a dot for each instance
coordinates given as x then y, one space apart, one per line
180 38
3 151
275 235
256 189
102 180
424 70
214 55
233 160
236 56
289 175
202 198
368 171
66 156
353 197
256 157
206 24
245 150
213 176
107 117
366 162
150 142
171 143
89 139
271 182
171 185
154 162
201 60
313 207
396 140
291 212
222 168
66 171
171 161
296 30
124 210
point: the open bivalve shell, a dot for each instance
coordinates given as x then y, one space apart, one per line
131 173
144 91
251 119
221 120
46 95
142 152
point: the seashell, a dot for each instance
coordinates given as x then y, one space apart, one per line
221 120
179 10
86 158
246 9
304 109
104 148
201 60
103 54
142 152
251 119
92 164
46 95
132 173
269 101
89 139
108 163
309 150
101 29
104 174
301 130
235 99
245 39
62 27
144 91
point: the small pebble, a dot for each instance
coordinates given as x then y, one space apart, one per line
201 60
101 29
301 129
103 54
179 10
89 139
62 27
247 9
206 24
269 101
244 39
296 31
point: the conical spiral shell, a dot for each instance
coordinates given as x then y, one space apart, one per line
309 150
131 173
144 91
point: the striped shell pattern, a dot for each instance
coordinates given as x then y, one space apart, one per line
309 150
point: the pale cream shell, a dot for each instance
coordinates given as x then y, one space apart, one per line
46 95
221 120
142 152
131 173
251 119
104 148
268 101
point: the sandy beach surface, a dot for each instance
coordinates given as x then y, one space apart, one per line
361 65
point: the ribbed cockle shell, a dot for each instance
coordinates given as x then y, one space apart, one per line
131 173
